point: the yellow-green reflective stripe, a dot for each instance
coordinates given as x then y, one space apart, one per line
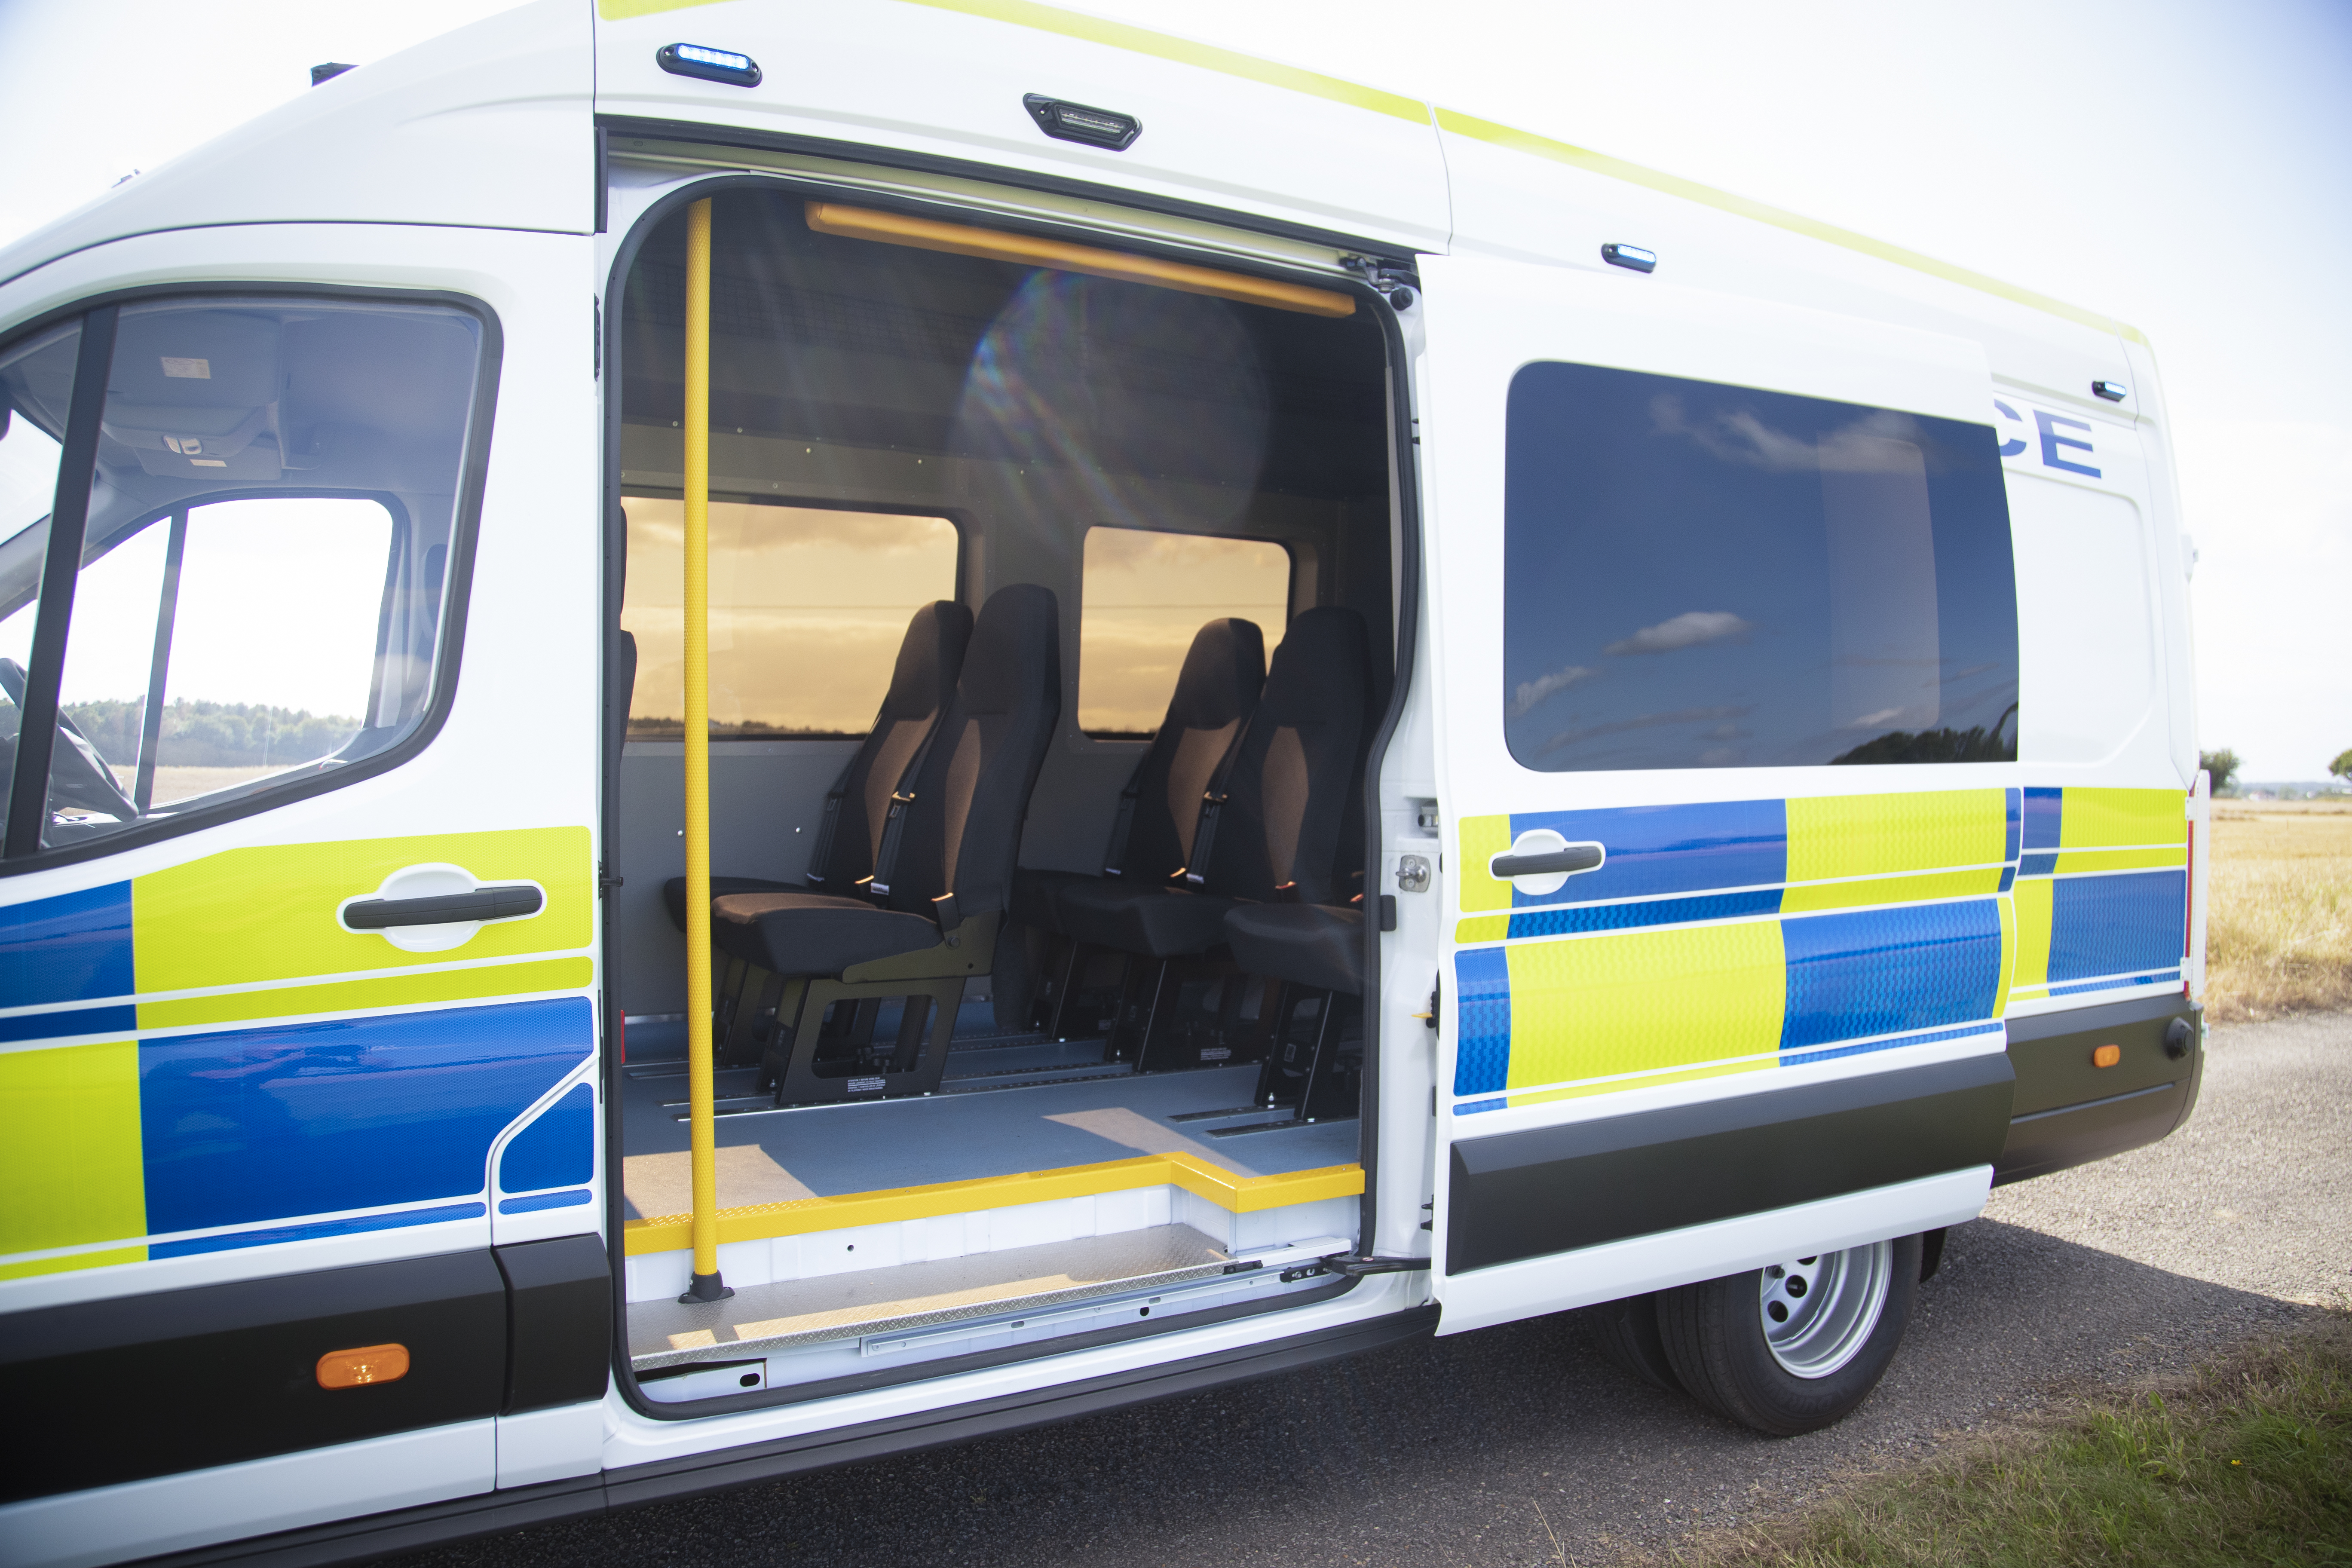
1643 1001
246 916
1482 839
2097 818
1875 834
383 991
2032 901
73 1170
1123 36
1648 1080
1482 929
1812 228
2080 860
2008 907
1818 896
66 1262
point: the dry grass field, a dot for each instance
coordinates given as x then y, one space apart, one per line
2278 932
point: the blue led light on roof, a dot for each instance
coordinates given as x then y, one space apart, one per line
1630 256
709 64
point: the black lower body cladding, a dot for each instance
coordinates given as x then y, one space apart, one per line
2069 1110
1554 1189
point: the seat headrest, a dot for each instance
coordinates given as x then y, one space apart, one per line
1015 651
1323 654
1224 671
930 658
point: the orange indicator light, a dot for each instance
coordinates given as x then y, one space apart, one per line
369 1363
2106 1056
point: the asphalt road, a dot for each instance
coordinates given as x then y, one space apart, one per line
1486 1447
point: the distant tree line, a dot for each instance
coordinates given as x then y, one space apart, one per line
198 734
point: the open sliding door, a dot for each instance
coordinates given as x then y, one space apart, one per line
1727 649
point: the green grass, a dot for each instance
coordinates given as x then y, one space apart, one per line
2248 1462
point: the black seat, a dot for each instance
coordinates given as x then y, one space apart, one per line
1151 837
1274 834
1321 946
942 870
930 657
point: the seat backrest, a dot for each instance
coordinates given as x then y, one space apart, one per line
964 829
930 658
1280 828
1218 689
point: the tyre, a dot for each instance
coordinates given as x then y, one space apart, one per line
1795 1346
1627 1333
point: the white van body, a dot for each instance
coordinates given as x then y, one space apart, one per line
1789 1008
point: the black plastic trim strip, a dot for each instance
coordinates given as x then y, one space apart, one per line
2093 1104
616 558
2068 1111
709 136
456 584
133 1387
1554 1189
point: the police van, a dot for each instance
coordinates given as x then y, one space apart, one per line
746 734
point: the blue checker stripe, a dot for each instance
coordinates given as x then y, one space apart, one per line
2038 866
2117 924
558 1149
2008 878
1656 912
2171 977
75 947
1472 1107
1933 1037
315 1228
258 1125
2044 809
80 1021
1887 971
2016 823
1482 1058
1658 849
537 1200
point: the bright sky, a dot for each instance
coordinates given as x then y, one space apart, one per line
2185 167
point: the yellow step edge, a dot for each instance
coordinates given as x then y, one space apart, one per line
799 1217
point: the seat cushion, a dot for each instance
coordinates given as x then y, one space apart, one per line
1320 945
1157 922
1036 896
673 892
813 934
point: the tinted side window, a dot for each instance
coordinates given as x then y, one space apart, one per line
1700 576
268 536
808 606
1143 596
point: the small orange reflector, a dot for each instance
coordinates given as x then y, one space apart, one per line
2106 1056
369 1363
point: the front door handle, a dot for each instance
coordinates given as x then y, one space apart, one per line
1545 862
495 903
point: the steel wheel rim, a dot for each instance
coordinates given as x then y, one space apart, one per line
1818 1312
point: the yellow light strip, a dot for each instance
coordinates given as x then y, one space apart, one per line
799 1217
1740 206
1028 250
700 1092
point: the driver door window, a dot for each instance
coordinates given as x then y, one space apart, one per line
222 648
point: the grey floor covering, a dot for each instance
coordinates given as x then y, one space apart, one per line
832 1150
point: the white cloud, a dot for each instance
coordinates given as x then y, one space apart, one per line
1532 692
1689 629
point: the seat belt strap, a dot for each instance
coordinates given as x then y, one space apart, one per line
1115 852
894 826
1212 802
821 854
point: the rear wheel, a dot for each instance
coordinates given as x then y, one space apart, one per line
1795 1346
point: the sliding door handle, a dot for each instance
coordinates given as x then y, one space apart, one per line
499 903
1544 862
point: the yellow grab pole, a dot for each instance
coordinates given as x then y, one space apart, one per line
701 1114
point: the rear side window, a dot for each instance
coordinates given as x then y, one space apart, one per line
1706 576
1143 596
263 554
808 606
